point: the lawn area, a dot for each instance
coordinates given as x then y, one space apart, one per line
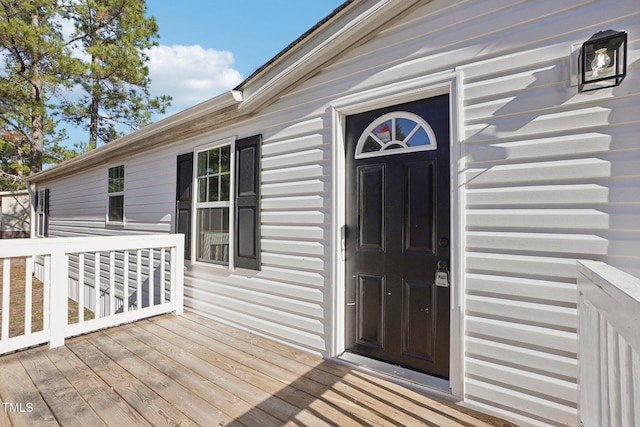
17 301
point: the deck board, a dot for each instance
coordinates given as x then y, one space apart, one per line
190 371
244 381
108 406
66 403
16 387
276 381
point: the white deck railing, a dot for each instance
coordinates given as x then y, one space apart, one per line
118 279
609 334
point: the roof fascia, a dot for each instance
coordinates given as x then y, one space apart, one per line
207 115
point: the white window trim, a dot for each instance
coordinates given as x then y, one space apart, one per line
195 205
108 221
393 116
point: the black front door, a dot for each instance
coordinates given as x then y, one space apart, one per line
397 235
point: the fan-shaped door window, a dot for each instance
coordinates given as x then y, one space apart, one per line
395 133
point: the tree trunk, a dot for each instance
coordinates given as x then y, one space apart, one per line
37 120
94 110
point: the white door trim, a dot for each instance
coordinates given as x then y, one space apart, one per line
397 93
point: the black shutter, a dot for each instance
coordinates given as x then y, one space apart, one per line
183 200
46 201
247 206
45 232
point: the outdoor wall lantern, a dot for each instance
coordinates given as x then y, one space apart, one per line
603 60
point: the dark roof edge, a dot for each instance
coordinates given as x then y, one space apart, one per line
293 44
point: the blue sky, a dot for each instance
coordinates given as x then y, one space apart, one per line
209 46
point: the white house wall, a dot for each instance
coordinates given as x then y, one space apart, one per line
14 214
548 176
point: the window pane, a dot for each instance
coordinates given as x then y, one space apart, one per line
116 179
404 128
116 185
214 162
202 163
383 131
202 189
370 145
41 201
116 208
214 168
419 138
213 189
225 159
224 187
213 235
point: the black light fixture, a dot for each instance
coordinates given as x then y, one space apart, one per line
603 60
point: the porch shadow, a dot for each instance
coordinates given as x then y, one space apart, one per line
336 395
301 389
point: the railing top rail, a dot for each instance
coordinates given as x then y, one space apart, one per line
70 245
615 294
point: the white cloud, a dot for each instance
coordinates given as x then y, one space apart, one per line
191 74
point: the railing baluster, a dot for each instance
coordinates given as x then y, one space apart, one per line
6 283
112 283
151 278
125 283
81 288
138 279
96 287
46 292
162 272
28 294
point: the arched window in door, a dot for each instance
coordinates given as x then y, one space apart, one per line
395 133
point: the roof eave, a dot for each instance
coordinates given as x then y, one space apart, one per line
217 110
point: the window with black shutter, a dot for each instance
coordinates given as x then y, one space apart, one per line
226 192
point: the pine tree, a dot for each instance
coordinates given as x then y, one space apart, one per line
115 35
39 69
35 65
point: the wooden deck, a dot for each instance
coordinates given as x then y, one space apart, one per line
188 371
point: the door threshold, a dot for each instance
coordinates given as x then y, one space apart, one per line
417 381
